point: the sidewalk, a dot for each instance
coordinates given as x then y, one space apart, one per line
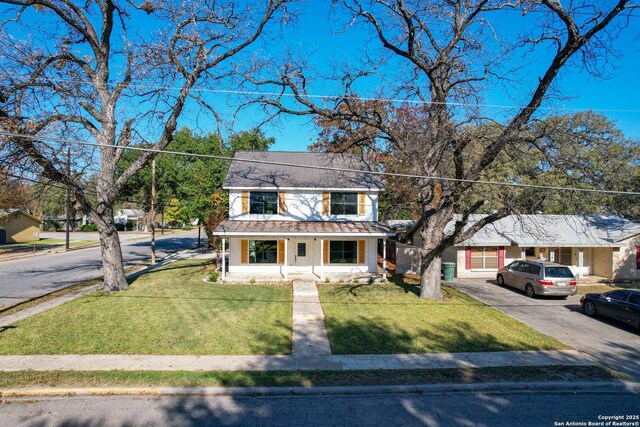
100 362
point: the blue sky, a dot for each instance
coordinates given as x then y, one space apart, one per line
619 92
317 35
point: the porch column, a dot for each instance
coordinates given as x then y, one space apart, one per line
224 270
384 257
552 255
523 253
580 262
321 259
284 266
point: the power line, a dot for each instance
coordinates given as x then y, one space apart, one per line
335 169
357 98
63 187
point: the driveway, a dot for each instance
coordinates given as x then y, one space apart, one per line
612 344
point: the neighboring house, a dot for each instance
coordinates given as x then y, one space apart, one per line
286 219
131 219
74 223
607 247
17 226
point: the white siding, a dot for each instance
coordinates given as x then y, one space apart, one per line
303 206
314 254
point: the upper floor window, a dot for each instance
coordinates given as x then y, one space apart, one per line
344 203
263 202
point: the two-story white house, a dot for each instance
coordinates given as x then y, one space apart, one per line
313 218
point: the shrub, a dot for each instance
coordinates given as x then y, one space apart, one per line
119 227
383 280
89 227
213 276
252 280
50 225
327 280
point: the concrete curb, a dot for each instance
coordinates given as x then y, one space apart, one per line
614 387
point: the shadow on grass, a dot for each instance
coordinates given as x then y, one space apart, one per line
173 266
359 336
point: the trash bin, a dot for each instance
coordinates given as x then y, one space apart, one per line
448 270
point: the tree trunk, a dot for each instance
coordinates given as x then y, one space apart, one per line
112 264
432 234
430 278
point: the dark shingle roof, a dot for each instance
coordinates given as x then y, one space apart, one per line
261 175
302 227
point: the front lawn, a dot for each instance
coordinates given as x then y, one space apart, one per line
391 318
166 311
597 289
32 379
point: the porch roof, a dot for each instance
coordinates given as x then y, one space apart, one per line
231 228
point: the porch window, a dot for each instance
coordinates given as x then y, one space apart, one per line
263 251
343 252
262 202
562 256
344 203
484 257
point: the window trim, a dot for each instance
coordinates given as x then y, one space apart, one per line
344 204
265 204
355 252
263 263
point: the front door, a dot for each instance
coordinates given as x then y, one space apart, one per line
301 255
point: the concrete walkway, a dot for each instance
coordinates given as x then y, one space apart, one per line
309 334
287 363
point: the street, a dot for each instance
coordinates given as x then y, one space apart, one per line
526 408
610 343
30 277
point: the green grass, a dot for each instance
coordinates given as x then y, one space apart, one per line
303 378
391 318
166 311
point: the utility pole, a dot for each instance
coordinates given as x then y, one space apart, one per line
66 244
153 211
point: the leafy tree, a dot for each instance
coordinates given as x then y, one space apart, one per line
86 72
444 55
192 185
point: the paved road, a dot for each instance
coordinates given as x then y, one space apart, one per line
84 235
448 409
610 343
30 277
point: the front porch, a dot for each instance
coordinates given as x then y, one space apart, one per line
277 250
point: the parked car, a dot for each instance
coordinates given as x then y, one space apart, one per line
538 278
623 304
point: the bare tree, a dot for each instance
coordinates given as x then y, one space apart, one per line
91 69
445 53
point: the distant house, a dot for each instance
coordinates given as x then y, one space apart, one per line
607 247
286 219
131 219
17 226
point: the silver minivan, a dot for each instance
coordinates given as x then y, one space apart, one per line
538 278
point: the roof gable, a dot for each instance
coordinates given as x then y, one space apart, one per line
8 212
315 171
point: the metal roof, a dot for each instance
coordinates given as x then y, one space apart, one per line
260 175
553 231
308 228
